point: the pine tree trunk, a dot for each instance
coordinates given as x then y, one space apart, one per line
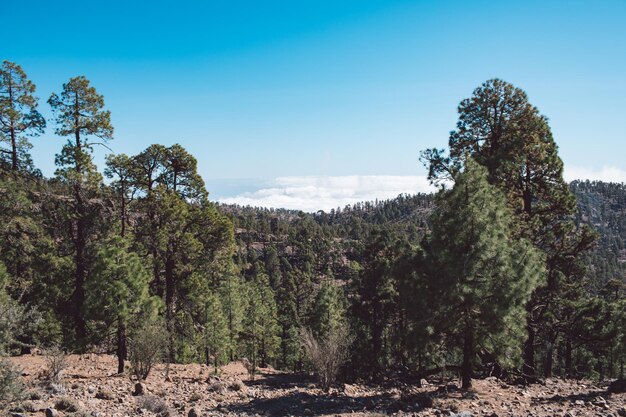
548 363
13 135
568 359
13 149
529 351
80 240
169 305
468 354
122 350
81 267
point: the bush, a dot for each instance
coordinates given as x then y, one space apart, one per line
56 361
66 404
10 386
154 404
104 394
146 347
326 355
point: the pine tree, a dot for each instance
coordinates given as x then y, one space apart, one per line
79 114
329 310
481 276
231 294
120 168
215 331
260 325
375 301
19 117
117 290
502 131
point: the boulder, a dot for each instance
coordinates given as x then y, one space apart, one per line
618 386
140 389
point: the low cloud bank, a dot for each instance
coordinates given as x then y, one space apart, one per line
606 174
327 192
313 193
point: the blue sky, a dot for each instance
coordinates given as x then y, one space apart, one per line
273 96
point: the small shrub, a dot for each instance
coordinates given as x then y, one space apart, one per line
196 396
10 386
25 407
249 367
33 395
57 361
217 387
104 394
146 347
237 385
154 404
66 404
326 355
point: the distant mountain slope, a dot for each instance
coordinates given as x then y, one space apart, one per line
603 206
342 232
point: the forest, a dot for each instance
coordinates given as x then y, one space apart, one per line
506 271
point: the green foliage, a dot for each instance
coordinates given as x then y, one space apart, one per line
260 326
329 310
503 132
375 304
80 260
19 117
79 111
117 291
233 303
480 275
117 288
11 388
215 335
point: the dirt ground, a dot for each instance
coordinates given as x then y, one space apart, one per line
88 386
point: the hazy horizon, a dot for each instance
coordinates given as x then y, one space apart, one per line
322 103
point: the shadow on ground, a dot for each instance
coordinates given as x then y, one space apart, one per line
307 404
562 399
314 403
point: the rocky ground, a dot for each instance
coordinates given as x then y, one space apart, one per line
89 387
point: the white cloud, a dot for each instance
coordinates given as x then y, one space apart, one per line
324 193
313 193
606 173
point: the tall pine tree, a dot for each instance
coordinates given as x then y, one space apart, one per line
481 276
19 117
79 113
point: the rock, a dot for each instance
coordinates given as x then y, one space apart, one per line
461 414
217 387
471 395
424 383
599 400
622 412
350 390
618 386
238 386
192 413
51 412
140 389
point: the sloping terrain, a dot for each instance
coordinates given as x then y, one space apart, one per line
88 386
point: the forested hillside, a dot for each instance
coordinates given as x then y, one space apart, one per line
499 274
600 205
